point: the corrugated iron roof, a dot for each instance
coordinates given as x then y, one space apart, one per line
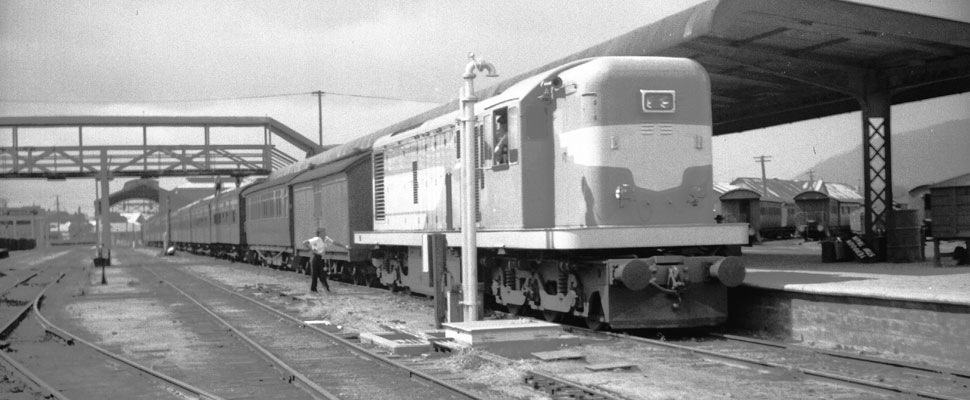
720 188
962 180
781 190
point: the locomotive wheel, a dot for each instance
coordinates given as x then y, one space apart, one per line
514 309
553 316
596 325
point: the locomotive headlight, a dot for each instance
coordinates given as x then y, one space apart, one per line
624 193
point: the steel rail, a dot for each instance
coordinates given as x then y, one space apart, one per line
19 368
70 338
412 373
7 289
792 368
586 392
832 353
306 382
23 311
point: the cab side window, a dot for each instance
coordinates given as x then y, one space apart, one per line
503 136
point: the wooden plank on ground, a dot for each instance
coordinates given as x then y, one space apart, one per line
610 366
558 355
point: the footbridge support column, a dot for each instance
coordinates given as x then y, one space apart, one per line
104 242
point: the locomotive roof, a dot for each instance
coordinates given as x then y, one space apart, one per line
511 89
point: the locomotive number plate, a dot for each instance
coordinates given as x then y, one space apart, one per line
662 101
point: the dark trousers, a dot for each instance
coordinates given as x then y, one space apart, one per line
316 272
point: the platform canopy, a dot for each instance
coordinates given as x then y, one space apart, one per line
773 62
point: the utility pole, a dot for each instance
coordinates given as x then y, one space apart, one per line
58 198
319 94
764 179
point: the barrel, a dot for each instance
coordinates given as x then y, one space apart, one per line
828 251
904 244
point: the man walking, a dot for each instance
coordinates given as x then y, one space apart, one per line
318 245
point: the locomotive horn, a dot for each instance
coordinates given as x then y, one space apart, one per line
554 82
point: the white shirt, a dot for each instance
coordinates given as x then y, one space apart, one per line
318 245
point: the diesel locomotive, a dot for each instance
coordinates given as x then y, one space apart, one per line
593 188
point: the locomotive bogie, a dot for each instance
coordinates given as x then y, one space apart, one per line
403 268
660 291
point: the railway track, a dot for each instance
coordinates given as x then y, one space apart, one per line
231 368
872 374
50 362
323 363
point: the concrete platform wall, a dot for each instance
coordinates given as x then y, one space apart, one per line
932 332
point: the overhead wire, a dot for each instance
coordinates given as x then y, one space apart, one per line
213 99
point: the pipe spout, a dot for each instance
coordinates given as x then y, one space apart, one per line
481 65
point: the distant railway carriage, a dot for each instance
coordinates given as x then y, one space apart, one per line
336 197
23 228
267 223
226 217
769 218
826 215
951 208
593 191
200 224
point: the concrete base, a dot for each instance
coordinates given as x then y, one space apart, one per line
512 338
505 330
923 331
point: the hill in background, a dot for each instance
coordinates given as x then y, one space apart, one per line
920 157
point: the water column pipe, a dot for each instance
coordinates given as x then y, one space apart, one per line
469 250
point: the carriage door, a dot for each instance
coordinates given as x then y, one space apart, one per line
304 203
744 211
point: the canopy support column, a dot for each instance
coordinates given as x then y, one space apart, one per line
877 159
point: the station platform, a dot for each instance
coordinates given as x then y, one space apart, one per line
913 311
796 266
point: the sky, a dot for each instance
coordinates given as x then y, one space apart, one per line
379 61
